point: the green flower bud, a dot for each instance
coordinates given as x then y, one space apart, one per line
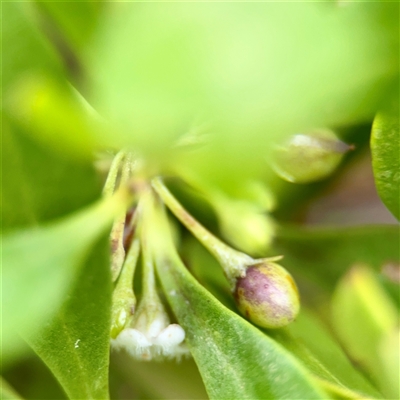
309 157
245 227
124 299
267 295
123 309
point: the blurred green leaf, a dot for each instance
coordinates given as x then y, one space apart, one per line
56 116
244 73
389 350
38 382
24 48
35 91
40 185
7 392
77 338
253 365
385 148
315 346
137 377
363 316
325 254
39 265
337 392
74 20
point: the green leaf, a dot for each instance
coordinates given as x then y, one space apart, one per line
7 392
56 116
36 92
337 392
389 350
311 342
38 381
385 148
39 265
77 338
306 338
254 366
24 49
324 255
363 317
137 377
239 73
41 185
74 20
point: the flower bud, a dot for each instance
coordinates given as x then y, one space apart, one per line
267 295
245 226
308 157
123 299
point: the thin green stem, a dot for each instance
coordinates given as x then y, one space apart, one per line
125 280
111 180
162 248
340 391
117 231
149 283
232 261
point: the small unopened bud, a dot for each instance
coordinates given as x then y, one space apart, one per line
123 299
245 227
267 295
308 157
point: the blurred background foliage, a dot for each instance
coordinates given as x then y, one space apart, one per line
81 79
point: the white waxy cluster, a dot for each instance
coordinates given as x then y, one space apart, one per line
157 341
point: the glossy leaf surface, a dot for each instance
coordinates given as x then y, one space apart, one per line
77 338
385 148
234 358
39 264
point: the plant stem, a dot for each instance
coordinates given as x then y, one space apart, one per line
128 270
109 185
232 261
149 284
340 391
117 231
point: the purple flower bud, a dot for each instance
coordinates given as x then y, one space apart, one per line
267 295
